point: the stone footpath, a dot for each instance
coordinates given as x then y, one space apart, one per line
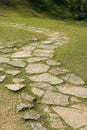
60 93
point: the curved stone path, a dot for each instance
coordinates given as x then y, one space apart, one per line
58 93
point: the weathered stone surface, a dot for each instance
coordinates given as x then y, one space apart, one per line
23 106
17 63
36 59
47 42
37 91
28 48
81 106
13 72
37 126
46 77
55 98
58 71
28 97
3 60
43 53
36 68
31 116
44 86
2 78
74 100
75 118
52 62
73 90
74 79
21 54
15 87
51 47
56 122
18 80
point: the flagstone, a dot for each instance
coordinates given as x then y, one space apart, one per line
52 63
15 87
2 78
17 63
21 54
4 60
37 126
18 80
36 59
51 47
28 97
13 72
37 91
81 106
28 48
31 116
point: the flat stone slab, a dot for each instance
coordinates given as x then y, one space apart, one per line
31 116
74 118
73 90
52 62
36 59
21 54
36 68
13 72
58 71
80 106
74 79
44 86
4 60
15 87
46 77
43 53
56 122
37 126
18 80
17 63
37 91
28 97
51 47
28 48
2 78
24 106
55 98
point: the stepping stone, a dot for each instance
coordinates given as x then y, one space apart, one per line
46 77
17 80
15 87
4 60
36 68
51 47
43 53
28 48
56 122
36 59
52 62
17 63
37 92
55 98
21 54
31 116
37 126
74 79
58 71
23 106
73 90
13 72
74 118
28 97
47 42
81 106
2 78
44 86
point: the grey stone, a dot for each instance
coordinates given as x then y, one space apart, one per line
15 87
36 68
58 71
17 63
55 98
73 90
46 77
13 72
21 54
28 97
4 60
74 79
73 117
24 106
37 91
52 62
2 78
36 59
56 122
31 116
37 126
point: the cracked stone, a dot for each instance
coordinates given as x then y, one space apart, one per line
36 68
23 106
28 97
46 77
73 90
31 116
13 72
52 62
55 98
21 54
15 87
37 91
74 79
37 126
73 117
